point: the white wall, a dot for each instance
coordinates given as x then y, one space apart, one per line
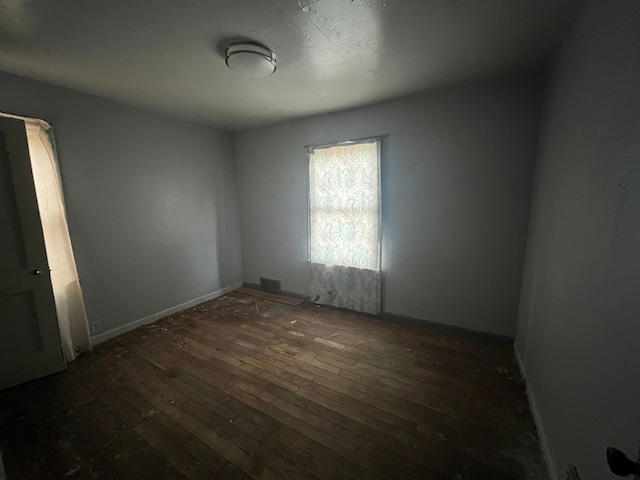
151 200
457 175
579 326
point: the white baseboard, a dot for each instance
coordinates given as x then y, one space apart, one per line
96 339
546 453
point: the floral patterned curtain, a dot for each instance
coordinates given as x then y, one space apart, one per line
344 225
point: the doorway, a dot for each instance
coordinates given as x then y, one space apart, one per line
42 318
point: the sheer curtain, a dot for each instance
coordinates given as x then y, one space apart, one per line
72 319
344 225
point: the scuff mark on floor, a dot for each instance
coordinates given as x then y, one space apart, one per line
71 471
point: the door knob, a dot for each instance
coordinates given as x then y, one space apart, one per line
36 272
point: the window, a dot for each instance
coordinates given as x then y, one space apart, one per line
344 204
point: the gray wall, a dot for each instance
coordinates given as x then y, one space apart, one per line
150 200
457 175
579 325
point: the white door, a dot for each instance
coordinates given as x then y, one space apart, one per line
29 338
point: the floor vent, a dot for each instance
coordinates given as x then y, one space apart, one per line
269 285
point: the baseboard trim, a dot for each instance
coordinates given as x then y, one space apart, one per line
102 337
394 317
546 452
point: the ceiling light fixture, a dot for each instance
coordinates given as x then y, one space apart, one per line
250 58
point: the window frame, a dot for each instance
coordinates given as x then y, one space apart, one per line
369 139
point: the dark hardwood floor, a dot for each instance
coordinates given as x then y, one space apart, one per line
241 387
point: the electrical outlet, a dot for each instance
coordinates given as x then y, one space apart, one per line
96 327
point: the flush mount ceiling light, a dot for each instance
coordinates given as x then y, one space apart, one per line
250 58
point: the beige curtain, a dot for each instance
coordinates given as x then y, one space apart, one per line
357 289
72 318
345 225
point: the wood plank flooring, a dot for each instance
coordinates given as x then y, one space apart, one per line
242 387
270 296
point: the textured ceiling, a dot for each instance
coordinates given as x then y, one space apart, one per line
167 55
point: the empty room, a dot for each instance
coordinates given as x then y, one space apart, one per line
320 239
